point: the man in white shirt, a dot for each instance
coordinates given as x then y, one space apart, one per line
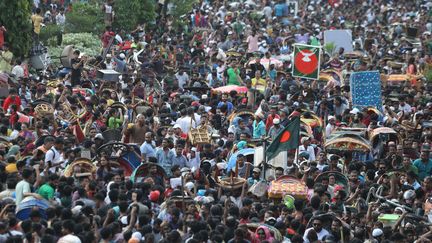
331 126
182 78
193 159
61 18
320 231
307 148
185 122
68 228
18 70
403 106
53 157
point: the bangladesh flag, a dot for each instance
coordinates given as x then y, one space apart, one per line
286 139
306 61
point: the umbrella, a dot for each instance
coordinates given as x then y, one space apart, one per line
232 160
229 88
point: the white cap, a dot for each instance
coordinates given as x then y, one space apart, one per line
108 55
176 126
194 149
99 136
377 232
76 210
355 111
330 118
204 96
137 235
122 56
230 33
276 121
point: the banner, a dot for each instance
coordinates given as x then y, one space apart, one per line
366 89
341 39
306 61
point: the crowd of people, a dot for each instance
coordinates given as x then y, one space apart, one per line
64 143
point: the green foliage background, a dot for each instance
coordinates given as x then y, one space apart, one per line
130 13
16 17
85 17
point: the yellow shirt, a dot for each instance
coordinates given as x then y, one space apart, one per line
259 84
5 61
37 21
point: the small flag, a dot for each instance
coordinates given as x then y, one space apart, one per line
286 139
306 61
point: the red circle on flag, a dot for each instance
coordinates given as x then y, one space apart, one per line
285 137
306 62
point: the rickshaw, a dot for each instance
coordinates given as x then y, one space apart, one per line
274 232
79 167
244 114
383 134
142 171
340 179
288 185
351 142
127 155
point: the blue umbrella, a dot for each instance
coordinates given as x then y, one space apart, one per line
232 160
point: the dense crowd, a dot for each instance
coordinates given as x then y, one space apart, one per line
166 149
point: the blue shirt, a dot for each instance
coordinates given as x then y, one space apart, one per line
179 160
279 9
423 169
165 159
258 129
148 150
229 105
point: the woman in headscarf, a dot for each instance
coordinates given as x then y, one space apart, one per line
262 233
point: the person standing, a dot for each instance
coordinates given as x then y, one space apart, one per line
37 20
6 57
77 64
23 188
2 32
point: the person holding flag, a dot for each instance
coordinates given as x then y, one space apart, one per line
287 139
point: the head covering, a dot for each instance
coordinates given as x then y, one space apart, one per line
154 195
13 151
276 121
268 236
99 136
377 232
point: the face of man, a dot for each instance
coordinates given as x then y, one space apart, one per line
335 226
148 137
278 173
164 144
179 151
317 225
424 156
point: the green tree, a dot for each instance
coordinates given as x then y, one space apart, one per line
129 13
16 17
85 17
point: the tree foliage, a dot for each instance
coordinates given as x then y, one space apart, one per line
130 13
85 17
16 17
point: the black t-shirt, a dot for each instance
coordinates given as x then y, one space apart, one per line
76 73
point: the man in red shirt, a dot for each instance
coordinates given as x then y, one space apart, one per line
13 98
273 114
2 31
106 37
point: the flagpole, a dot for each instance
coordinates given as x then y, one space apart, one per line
265 158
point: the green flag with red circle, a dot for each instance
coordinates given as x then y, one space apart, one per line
306 61
287 139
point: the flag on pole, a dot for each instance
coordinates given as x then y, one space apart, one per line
306 61
286 139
